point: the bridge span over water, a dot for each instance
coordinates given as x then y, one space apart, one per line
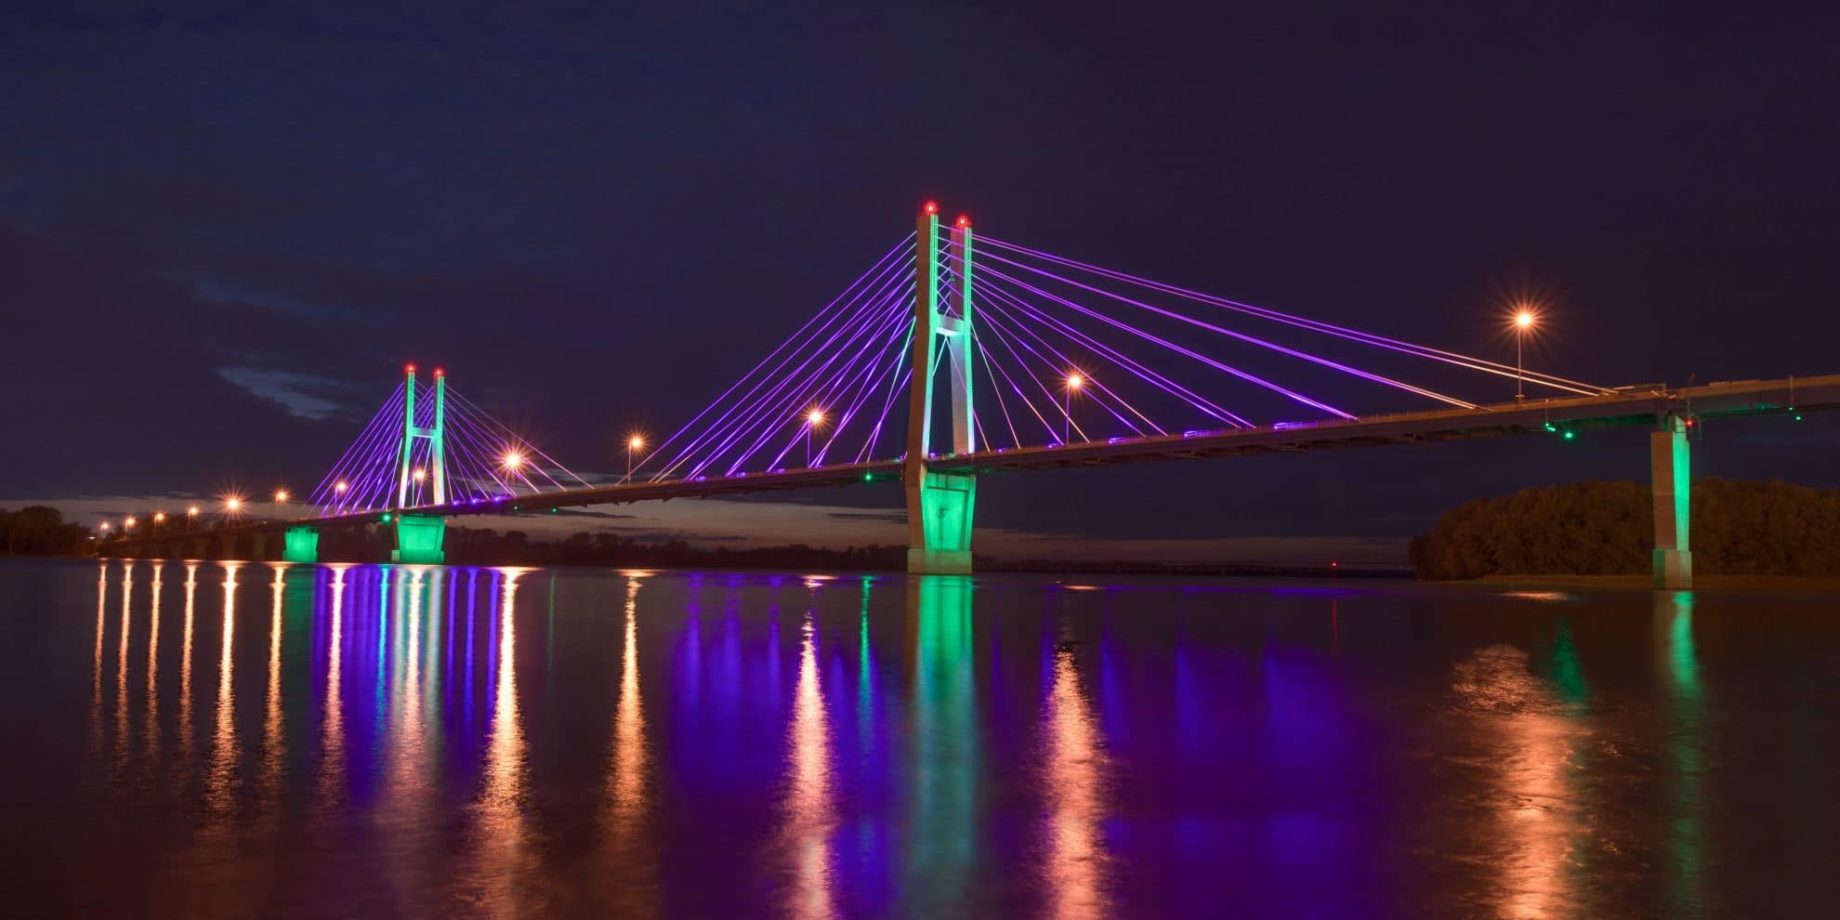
1021 349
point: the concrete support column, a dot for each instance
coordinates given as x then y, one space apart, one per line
302 545
260 541
200 548
939 512
1671 473
419 538
229 546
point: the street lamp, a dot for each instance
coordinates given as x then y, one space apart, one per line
1074 381
233 505
513 460
191 514
281 497
159 517
127 523
634 444
1524 319
813 421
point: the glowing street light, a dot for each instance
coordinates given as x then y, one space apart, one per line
191 514
513 460
1524 320
281 496
634 444
159 517
105 527
418 475
1075 380
813 421
233 505
128 523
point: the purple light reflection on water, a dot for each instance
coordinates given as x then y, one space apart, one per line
993 746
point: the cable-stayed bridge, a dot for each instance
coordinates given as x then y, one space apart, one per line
954 356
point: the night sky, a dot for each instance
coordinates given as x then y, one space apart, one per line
224 230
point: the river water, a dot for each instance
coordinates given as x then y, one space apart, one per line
197 739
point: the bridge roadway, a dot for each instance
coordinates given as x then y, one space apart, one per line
1626 406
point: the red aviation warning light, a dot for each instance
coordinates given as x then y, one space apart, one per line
931 207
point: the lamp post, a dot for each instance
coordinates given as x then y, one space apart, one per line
1524 319
191 515
1074 381
281 497
634 444
813 421
159 517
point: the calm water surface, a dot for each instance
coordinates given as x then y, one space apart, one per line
196 739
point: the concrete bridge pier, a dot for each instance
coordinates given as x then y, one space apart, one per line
259 541
302 545
229 546
419 538
200 548
939 512
1671 474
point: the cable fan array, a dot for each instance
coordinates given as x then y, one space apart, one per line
484 460
823 396
1079 352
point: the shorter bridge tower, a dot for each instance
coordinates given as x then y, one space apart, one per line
419 537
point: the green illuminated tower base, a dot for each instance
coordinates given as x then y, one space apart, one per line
418 539
943 504
302 545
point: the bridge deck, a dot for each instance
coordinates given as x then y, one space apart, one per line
1628 406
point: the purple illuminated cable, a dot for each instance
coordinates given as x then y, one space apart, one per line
1001 338
900 379
977 348
1176 389
843 305
381 443
812 389
764 416
1217 365
356 450
1060 360
858 391
875 434
493 425
866 383
1292 352
1354 335
369 431
977 421
874 269
769 413
1099 384
1013 385
1028 330
854 312
905 331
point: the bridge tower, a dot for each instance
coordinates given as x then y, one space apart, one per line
419 536
939 503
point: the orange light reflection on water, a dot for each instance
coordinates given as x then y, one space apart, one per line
1074 870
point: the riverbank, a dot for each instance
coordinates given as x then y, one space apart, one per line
1799 584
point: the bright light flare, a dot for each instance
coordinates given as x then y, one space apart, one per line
815 417
281 496
159 517
192 511
340 487
636 442
128 524
233 504
418 475
512 460
105 526
1075 381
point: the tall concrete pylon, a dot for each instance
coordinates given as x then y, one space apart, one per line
940 504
